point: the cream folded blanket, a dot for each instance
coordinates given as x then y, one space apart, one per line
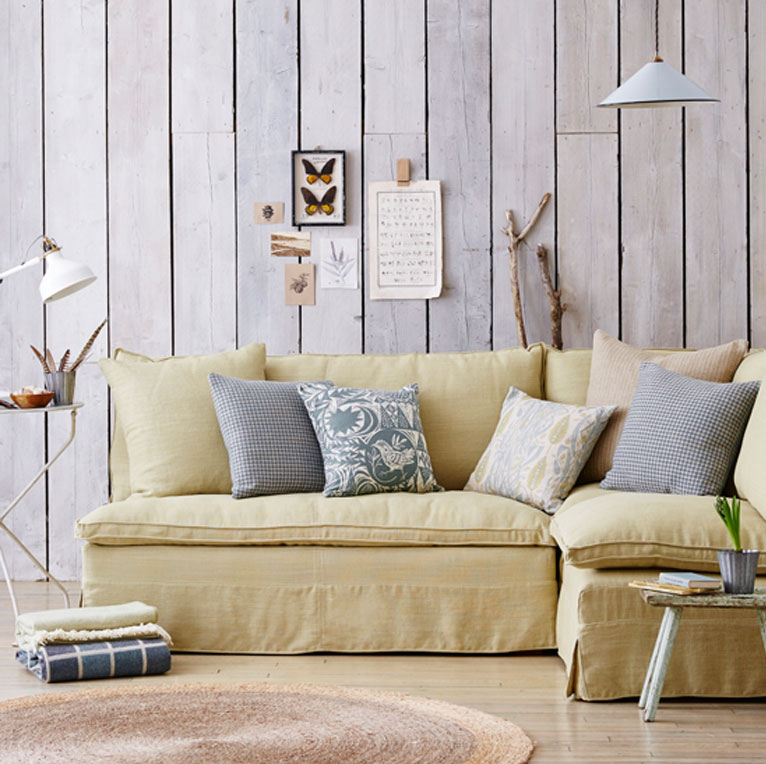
88 624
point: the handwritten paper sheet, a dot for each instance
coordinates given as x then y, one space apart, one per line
405 240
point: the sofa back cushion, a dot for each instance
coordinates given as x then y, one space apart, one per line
174 443
461 394
566 375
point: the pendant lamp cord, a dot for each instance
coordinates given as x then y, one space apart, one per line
656 29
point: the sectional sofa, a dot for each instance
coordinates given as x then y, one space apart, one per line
455 572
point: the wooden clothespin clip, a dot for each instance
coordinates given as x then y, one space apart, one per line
402 172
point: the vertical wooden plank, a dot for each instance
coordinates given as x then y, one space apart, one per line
202 65
22 441
395 111
139 178
393 326
75 212
651 160
523 156
267 130
586 64
716 183
331 118
757 128
587 235
459 149
204 246
394 67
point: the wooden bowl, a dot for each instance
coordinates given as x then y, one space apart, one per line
32 401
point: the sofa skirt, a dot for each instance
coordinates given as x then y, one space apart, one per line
299 599
606 633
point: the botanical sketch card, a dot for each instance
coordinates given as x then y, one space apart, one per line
269 212
291 244
405 240
299 284
319 187
338 263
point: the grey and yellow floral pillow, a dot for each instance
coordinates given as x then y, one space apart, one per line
371 440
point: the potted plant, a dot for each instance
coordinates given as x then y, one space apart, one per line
738 566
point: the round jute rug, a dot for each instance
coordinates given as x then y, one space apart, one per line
259 723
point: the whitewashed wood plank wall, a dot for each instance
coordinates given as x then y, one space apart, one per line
141 135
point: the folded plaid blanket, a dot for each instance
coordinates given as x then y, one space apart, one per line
97 660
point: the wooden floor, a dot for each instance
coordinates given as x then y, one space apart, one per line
527 689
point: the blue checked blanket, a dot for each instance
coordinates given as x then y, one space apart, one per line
96 660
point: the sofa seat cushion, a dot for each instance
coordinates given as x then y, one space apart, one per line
387 519
612 529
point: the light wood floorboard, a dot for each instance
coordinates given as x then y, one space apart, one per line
527 689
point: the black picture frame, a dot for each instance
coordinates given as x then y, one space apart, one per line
300 180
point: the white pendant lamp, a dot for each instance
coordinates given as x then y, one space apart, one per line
62 277
656 84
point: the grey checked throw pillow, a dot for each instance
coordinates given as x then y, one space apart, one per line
269 436
681 435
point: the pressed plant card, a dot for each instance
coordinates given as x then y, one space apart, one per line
338 263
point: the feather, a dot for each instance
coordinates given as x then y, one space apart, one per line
84 352
63 361
50 360
40 358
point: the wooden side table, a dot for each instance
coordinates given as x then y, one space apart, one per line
72 408
663 647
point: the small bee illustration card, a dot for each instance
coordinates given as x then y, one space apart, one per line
269 212
299 284
319 187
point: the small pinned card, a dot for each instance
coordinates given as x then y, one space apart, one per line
291 244
299 284
269 212
339 263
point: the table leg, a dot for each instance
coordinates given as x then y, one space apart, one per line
663 659
653 661
9 584
762 621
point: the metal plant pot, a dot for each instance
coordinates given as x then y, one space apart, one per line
61 384
738 570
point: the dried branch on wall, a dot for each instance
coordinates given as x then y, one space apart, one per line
514 240
554 297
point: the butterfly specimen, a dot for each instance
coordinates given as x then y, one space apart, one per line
314 205
312 173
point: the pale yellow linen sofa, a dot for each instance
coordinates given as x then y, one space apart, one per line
445 572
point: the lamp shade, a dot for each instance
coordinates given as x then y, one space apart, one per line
63 277
656 84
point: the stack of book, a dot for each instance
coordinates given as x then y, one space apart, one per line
678 582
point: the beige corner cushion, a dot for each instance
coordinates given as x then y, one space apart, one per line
611 529
174 443
461 394
749 473
567 373
614 378
385 519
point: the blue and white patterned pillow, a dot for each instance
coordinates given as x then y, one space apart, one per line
372 440
269 436
681 435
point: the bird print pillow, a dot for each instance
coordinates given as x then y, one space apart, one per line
371 440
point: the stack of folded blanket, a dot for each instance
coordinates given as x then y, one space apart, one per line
93 642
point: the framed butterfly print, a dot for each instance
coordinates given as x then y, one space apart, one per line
319 188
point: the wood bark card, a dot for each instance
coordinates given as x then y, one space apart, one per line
405 240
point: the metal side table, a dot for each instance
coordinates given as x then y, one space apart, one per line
674 605
72 408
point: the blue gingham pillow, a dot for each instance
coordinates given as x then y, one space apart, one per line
268 434
681 434
372 440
